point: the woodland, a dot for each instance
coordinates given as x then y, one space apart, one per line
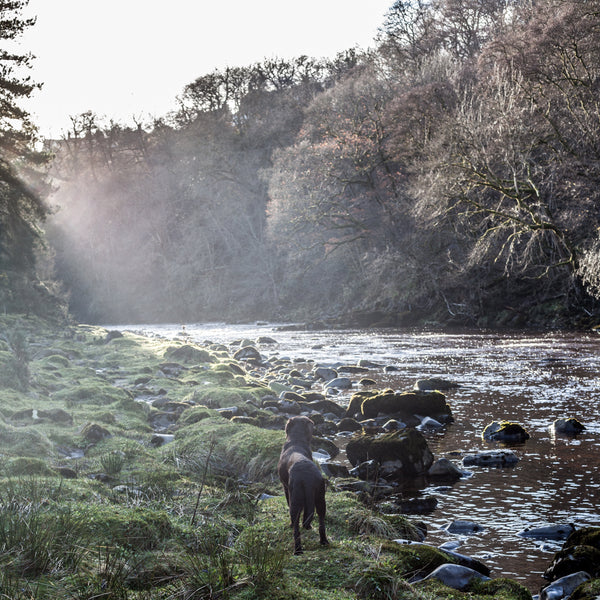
448 176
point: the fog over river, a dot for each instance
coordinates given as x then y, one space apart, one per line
528 378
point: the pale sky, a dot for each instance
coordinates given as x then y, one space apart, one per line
126 58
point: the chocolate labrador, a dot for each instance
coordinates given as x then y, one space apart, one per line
302 481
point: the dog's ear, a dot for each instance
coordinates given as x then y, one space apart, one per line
288 425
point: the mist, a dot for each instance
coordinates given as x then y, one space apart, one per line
394 186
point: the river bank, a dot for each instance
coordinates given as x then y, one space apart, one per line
124 438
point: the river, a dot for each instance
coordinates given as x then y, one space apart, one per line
528 378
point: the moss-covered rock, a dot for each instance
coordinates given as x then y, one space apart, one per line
356 401
401 453
590 590
573 559
505 431
425 404
586 536
189 354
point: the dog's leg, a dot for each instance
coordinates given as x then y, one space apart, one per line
295 515
296 507
321 510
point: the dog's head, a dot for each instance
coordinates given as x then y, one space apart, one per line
299 428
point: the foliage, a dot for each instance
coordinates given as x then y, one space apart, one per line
22 184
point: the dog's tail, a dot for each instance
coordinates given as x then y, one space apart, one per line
309 508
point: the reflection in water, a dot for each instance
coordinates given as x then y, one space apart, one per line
530 379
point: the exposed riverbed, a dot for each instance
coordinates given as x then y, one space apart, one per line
522 377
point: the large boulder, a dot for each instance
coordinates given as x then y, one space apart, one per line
425 404
399 454
572 560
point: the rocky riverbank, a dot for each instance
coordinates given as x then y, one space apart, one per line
146 467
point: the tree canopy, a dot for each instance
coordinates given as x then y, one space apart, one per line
449 174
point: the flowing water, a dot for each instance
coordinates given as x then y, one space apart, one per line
528 378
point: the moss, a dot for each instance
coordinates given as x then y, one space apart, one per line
574 559
586 536
24 442
27 466
56 360
189 354
414 559
500 589
242 449
195 414
590 590
99 393
130 528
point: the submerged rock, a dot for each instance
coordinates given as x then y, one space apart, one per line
491 458
463 527
417 506
549 532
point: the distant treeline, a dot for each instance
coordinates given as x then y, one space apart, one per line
451 174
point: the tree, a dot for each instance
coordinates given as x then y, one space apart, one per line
21 207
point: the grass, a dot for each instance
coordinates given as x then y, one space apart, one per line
202 517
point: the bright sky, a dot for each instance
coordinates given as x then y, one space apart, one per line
125 58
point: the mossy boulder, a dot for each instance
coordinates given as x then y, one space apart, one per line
323 406
93 433
573 559
500 589
356 402
399 454
129 528
590 590
586 536
189 354
505 431
415 560
405 404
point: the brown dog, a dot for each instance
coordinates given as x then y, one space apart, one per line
302 481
